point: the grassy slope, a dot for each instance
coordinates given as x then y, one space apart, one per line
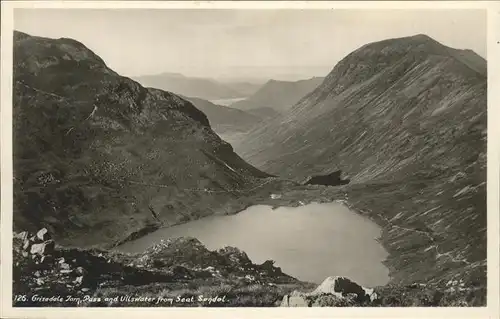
407 122
225 119
91 148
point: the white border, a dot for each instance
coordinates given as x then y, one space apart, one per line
491 311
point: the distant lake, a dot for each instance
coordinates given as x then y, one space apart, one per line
227 102
308 242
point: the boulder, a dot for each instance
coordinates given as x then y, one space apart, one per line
268 265
43 234
80 270
50 246
47 260
39 244
64 265
78 280
234 255
22 235
44 248
26 244
340 286
332 292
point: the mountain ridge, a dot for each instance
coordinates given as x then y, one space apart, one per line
225 119
408 127
278 95
98 154
93 150
204 88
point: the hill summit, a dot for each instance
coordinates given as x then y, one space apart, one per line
406 120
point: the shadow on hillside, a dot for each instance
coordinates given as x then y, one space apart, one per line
333 179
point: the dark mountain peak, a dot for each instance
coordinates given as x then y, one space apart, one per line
419 43
94 150
18 35
67 68
423 46
392 58
36 53
421 36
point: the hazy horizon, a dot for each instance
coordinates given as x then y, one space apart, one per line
244 44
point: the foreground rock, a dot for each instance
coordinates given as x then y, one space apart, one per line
181 272
175 268
342 292
333 292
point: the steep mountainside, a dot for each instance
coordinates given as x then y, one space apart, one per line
98 157
279 95
264 112
405 119
471 59
225 119
208 89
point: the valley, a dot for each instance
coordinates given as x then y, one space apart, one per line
120 175
405 120
278 95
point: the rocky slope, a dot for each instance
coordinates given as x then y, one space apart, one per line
173 273
208 89
96 153
223 119
405 119
181 272
264 113
278 95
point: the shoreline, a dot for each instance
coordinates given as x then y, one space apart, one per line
333 205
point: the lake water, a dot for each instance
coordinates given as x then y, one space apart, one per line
308 242
227 102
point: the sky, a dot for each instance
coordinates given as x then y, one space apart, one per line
236 43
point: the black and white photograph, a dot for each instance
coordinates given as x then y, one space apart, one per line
211 156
